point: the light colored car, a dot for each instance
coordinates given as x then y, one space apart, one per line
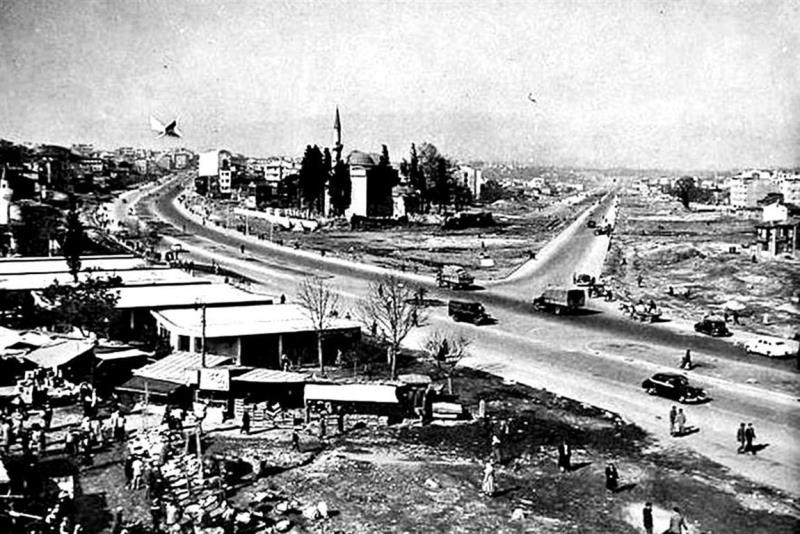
772 347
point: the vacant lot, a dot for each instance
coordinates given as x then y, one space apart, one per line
658 243
521 227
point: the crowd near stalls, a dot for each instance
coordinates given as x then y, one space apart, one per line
197 355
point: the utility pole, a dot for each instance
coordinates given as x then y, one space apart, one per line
202 306
203 334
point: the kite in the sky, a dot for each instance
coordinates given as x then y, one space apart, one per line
168 130
530 97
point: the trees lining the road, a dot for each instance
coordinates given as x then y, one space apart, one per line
320 304
313 176
391 306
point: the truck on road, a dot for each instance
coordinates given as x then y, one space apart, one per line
454 276
471 312
560 300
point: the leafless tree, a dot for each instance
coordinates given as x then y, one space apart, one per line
391 306
446 350
321 305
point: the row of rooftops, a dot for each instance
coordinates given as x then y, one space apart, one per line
171 295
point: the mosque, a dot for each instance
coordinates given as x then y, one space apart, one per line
369 196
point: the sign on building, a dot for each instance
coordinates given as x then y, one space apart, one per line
215 379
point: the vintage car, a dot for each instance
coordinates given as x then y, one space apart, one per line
712 326
591 224
674 386
582 279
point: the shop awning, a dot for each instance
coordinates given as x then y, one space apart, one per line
59 354
156 388
271 376
179 367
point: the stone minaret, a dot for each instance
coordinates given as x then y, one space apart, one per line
337 146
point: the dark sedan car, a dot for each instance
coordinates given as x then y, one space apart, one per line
673 386
713 327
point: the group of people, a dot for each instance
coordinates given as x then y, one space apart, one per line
31 438
95 432
745 436
677 523
677 421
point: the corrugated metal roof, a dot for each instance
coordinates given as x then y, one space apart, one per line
59 354
272 376
246 320
179 367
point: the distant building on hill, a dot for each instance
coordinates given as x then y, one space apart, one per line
215 173
747 188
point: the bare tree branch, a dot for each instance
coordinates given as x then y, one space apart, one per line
392 308
446 350
320 304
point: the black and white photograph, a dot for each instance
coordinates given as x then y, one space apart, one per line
402 266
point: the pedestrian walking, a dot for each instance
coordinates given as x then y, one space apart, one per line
735 315
612 477
295 440
749 436
245 422
488 485
119 429
47 416
127 469
241 248
677 524
137 467
283 298
740 438
496 452
673 414
647 518
680 422
686 362
564 456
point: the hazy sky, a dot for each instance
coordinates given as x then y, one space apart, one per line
674 84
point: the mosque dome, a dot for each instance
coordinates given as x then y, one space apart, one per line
361 159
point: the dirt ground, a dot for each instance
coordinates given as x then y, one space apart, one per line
521 227
690 252
414 478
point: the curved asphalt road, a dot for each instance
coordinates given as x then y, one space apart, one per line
556 353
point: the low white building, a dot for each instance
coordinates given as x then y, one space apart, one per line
254 335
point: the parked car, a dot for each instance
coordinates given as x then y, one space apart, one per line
712 326
591 224
772 347
582 279
673 386
472 312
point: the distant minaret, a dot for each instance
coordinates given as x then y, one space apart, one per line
337 147
5 197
